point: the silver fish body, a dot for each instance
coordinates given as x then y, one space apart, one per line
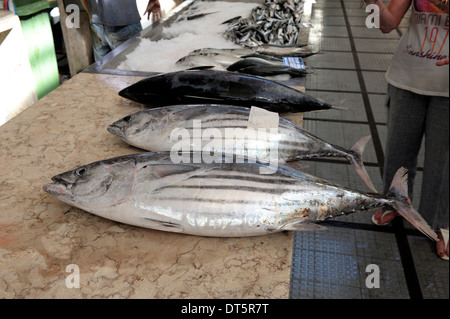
159 130
221 200
224 59
240 52
192 61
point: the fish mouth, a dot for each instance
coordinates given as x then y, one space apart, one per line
133 94
58 190
115 129
125 93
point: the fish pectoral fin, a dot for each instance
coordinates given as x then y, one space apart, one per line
299 226
163 225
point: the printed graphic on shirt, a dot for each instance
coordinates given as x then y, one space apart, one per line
432 23
432 6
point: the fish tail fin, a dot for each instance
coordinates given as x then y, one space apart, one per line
355 158
402 204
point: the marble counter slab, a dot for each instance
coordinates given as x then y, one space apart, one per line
41 236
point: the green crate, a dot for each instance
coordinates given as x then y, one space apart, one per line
28 7
38 36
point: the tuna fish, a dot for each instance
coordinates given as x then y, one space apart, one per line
222 87
158 130
218 199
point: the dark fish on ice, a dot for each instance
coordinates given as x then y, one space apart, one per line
252 61
217 199
221 87
261 67
156 130
271 70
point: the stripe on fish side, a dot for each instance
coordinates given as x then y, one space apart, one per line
282 130
208 200
287 140
240 184
231 187
251 178
234 118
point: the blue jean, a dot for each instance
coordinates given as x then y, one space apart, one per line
410 118
107 38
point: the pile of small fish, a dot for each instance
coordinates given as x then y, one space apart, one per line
274 22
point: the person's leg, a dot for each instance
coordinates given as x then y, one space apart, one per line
406 125
100 43
434 193
118 35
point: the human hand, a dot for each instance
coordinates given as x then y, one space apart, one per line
442 62
153 8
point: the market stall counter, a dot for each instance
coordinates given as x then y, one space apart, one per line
45 244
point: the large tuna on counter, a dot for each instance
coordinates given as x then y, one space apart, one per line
221 87
217 199
225 129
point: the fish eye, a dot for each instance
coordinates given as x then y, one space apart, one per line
127 118
80 171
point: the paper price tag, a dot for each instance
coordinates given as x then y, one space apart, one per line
261 118
294 62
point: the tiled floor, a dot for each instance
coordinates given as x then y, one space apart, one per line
332 263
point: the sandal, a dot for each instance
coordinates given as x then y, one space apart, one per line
384 217
443 236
